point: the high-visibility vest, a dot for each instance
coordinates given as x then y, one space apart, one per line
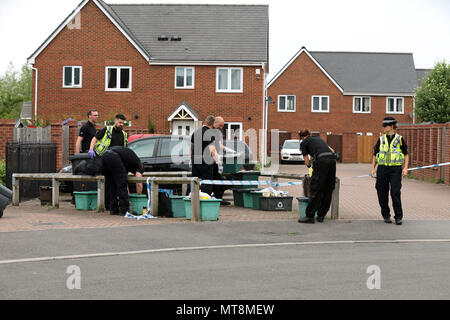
102 145
390 155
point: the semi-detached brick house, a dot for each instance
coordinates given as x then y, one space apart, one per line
169 64
343 94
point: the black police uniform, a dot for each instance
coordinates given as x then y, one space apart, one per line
117 162
87 132
202 162
116 140
323 178
390 177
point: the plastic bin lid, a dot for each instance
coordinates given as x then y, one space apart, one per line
302 198
135 195
287 197
246 190
79 156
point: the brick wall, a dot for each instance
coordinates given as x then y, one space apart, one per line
7 134
428 145
97 44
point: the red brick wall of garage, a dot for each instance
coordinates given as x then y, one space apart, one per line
97 44
303 78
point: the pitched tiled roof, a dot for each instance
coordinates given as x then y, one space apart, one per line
421 74
370 72
207 32
364 72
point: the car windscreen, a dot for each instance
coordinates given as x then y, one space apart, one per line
291 145
175 147
143 148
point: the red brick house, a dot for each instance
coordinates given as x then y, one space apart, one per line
341 94
169 64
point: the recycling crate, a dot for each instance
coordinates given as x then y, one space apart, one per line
137 203
85 200
178 207
209 209
276 203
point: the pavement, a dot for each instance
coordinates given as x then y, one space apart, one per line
358 201
247 254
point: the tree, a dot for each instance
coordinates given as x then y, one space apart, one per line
15 88
433 96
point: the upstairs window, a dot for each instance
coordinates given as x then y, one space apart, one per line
361 104
394 105
286 103
229 80
118 78
320 104
72 77
184 78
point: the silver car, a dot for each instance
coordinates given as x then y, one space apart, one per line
291 152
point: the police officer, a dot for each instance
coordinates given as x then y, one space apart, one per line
117 162
87 132
108 137
323 178
204 153
390 153
219 190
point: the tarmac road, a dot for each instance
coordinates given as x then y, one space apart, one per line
228 260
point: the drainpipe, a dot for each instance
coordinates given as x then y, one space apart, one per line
264 138
35 93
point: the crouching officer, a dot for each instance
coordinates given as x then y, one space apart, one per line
117 162
390 153
323 178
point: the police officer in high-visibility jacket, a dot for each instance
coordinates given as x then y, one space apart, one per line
109 136
106 138
391 155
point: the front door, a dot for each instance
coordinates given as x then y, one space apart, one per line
182 127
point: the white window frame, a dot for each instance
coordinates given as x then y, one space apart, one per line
229 90
185 77
73 77
362 98
395 106
118 78
286 96
228 129
320 104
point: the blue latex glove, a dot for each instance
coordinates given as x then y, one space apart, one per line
91 153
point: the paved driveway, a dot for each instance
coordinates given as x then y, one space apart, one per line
358 201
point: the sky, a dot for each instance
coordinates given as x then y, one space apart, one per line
421 27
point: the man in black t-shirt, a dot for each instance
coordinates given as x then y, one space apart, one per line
87 132
204 153
117 162
323 177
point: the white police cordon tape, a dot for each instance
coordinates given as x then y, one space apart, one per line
410 169
279 184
